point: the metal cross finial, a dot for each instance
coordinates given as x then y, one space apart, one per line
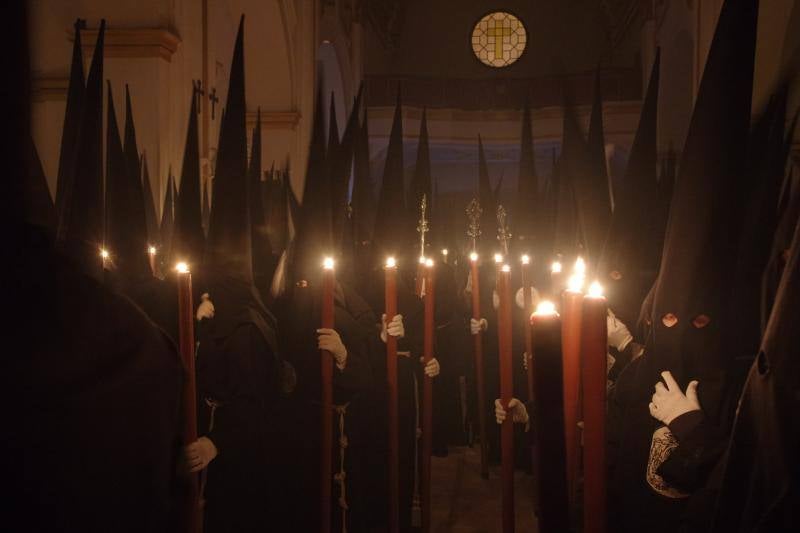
198 92
423 224
214 99
474 214
503 235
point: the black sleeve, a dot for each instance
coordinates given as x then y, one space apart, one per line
357 374
700 446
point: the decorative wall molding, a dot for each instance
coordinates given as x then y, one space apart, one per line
132 42
274 120
49 89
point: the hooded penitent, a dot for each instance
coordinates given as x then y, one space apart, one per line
628 266
126 227
527 207
153 230
228 247
76 94
393 227
38 208
188 240
421 180
691 296
167 225
80 229
573 160
341 165
488 203
263 262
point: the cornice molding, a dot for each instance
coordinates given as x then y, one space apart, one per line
132 42
274 120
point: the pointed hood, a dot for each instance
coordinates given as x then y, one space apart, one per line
130 148
665 188
126 225
341 171
39 207
421 181
392 234
488 202
363 202
81 217
153 227
691 295
228 248
188 240
263 263
278 214
527 215
167 221
629 263
205 212
76 94
568 236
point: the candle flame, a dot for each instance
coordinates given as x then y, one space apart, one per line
545 308
327 264
575 283
595 290
151 250
473 257
555 268
525 259
182 268
422 260
104 253
506 268
390 262
444 251
580 266
429 263
498 258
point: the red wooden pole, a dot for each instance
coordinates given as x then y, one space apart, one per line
478 350
506 393
186 343
391 380
594 341
427 397
553 513
571 301
326 408
527 298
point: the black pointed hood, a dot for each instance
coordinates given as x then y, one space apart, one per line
568 236
39 208
704 229
629 263
363 202
205 212
341 171
126 226
486 197
188 240
132 159
527 214
81 218
228 248
392 233
277 213
76 94
167 225
153 226
263 263
421 181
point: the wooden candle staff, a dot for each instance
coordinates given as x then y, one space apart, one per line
571 301
527 299
192 518
506 393
594 342
326 407
427 395
390 303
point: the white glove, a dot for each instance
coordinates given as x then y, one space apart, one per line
525 358
394 328
431 367
668 403
519 414
477 326
495 300
618 335
520 297
206 308
330 341
199 454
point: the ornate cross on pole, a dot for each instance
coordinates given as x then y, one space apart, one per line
422 229
212 95
197 93
474 214
503 235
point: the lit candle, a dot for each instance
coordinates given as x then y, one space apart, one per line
105 256
186 345
477 340
571 300
444 254
549 442
556 278
504 325
151 255
326 406
427 396
390 297
594 342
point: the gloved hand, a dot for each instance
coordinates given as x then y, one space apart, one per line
525 358
519 414
477 326
394 328
432 367
330 340
519 297
668 403
199 454
618 334
206 308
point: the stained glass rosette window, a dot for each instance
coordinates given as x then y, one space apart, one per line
499 39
